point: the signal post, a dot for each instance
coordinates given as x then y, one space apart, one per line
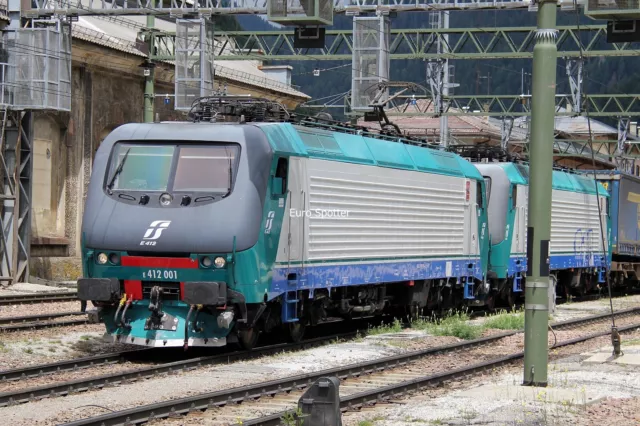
536 355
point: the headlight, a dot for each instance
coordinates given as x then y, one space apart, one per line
114 258
220 262
206 261
165 199
102 258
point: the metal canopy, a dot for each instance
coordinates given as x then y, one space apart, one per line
181 8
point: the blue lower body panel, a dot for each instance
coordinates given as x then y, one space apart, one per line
347 274
560 262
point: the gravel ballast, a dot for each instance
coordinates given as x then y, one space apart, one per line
215 378
456 403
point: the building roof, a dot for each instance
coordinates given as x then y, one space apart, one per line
478 126
579 125
460 126
122 34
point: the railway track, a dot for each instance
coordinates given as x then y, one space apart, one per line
97 382
22 299
33 322
61 389
40 317
382 394
298 383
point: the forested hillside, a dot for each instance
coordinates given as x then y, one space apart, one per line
602 75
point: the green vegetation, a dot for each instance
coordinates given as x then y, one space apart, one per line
396 327
454 324
293 418
506 321
370 422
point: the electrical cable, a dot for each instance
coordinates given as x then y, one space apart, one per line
555 338
614 333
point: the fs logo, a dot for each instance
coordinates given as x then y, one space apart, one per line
267 226
158 226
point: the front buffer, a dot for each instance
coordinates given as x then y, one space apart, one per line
158 312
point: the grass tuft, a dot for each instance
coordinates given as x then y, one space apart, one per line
395 327
454 324
506 321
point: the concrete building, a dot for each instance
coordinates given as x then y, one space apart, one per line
108 91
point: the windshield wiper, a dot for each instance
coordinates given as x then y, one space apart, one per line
230 180
117 172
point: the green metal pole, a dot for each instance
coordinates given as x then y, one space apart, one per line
536 352
149 95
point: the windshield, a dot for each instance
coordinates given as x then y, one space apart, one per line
174 167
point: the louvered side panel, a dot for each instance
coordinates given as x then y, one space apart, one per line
391 213
575 226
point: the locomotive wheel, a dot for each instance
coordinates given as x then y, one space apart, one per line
296 331
248 338
491 301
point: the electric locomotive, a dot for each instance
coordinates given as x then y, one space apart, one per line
242 222
578 257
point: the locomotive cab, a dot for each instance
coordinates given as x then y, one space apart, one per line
169 211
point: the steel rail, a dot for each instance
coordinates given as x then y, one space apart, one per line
238 395
31 318
41 325
22 299
396 390
97 382
68 365
120 356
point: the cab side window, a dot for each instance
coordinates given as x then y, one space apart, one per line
282 169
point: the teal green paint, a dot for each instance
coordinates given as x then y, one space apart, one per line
353 150
513 174
501 252
138 312
561 180
255 266
356 149
484 242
